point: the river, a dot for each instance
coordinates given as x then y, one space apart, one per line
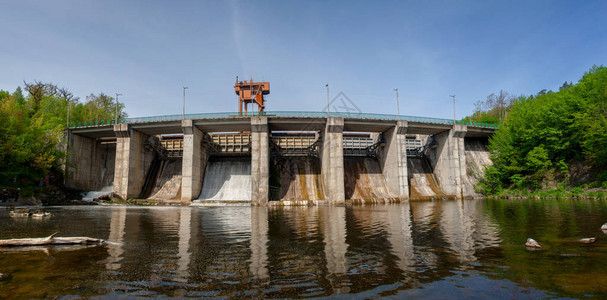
433 249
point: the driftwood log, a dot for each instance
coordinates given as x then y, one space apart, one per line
51 240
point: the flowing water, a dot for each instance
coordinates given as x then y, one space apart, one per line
89 196
227 179
432 249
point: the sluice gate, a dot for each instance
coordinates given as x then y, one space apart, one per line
230 143
299 144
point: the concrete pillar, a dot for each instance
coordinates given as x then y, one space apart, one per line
130 165
393 160
332 160
449 160
260 160
195 158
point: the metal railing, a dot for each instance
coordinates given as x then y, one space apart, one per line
287 114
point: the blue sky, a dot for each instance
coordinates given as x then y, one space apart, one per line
148 50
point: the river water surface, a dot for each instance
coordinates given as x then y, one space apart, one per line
440 249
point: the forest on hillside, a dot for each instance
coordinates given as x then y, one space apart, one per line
33 129
551 140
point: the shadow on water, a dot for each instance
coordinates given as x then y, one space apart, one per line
455 249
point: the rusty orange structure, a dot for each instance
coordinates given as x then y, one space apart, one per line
251 92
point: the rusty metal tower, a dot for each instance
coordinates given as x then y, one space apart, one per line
251 92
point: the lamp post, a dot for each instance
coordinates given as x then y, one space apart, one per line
116 122
397 105
183 113
328 103
453 96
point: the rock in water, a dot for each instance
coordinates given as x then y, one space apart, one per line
604 227
531 243
587 240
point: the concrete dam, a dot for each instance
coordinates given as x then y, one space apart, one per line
279 160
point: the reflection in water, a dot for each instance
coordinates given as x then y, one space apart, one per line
400 236
185 227
259 242
456 227
334 238
428 249
424 222
115 247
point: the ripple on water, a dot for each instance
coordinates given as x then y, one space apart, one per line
422 249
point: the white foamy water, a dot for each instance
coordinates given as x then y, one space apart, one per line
227 179
89 196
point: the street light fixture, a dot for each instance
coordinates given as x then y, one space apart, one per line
183 113
116 122
453 108
328 103
397 105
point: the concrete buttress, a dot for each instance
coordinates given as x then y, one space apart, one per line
130 168
260 160
449 160
393 160
332 160
195 158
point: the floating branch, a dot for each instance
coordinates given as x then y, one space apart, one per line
51 240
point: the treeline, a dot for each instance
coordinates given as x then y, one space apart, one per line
552 139
33 126
493 110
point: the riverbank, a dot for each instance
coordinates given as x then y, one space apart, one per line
555 193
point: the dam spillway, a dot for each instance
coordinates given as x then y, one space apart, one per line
364 180
422 182
167 185
227 179
296 179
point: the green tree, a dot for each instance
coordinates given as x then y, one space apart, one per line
549 130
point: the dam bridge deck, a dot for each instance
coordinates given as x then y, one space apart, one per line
279 121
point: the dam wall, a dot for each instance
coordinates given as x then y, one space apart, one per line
90 163
375 164
477 160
